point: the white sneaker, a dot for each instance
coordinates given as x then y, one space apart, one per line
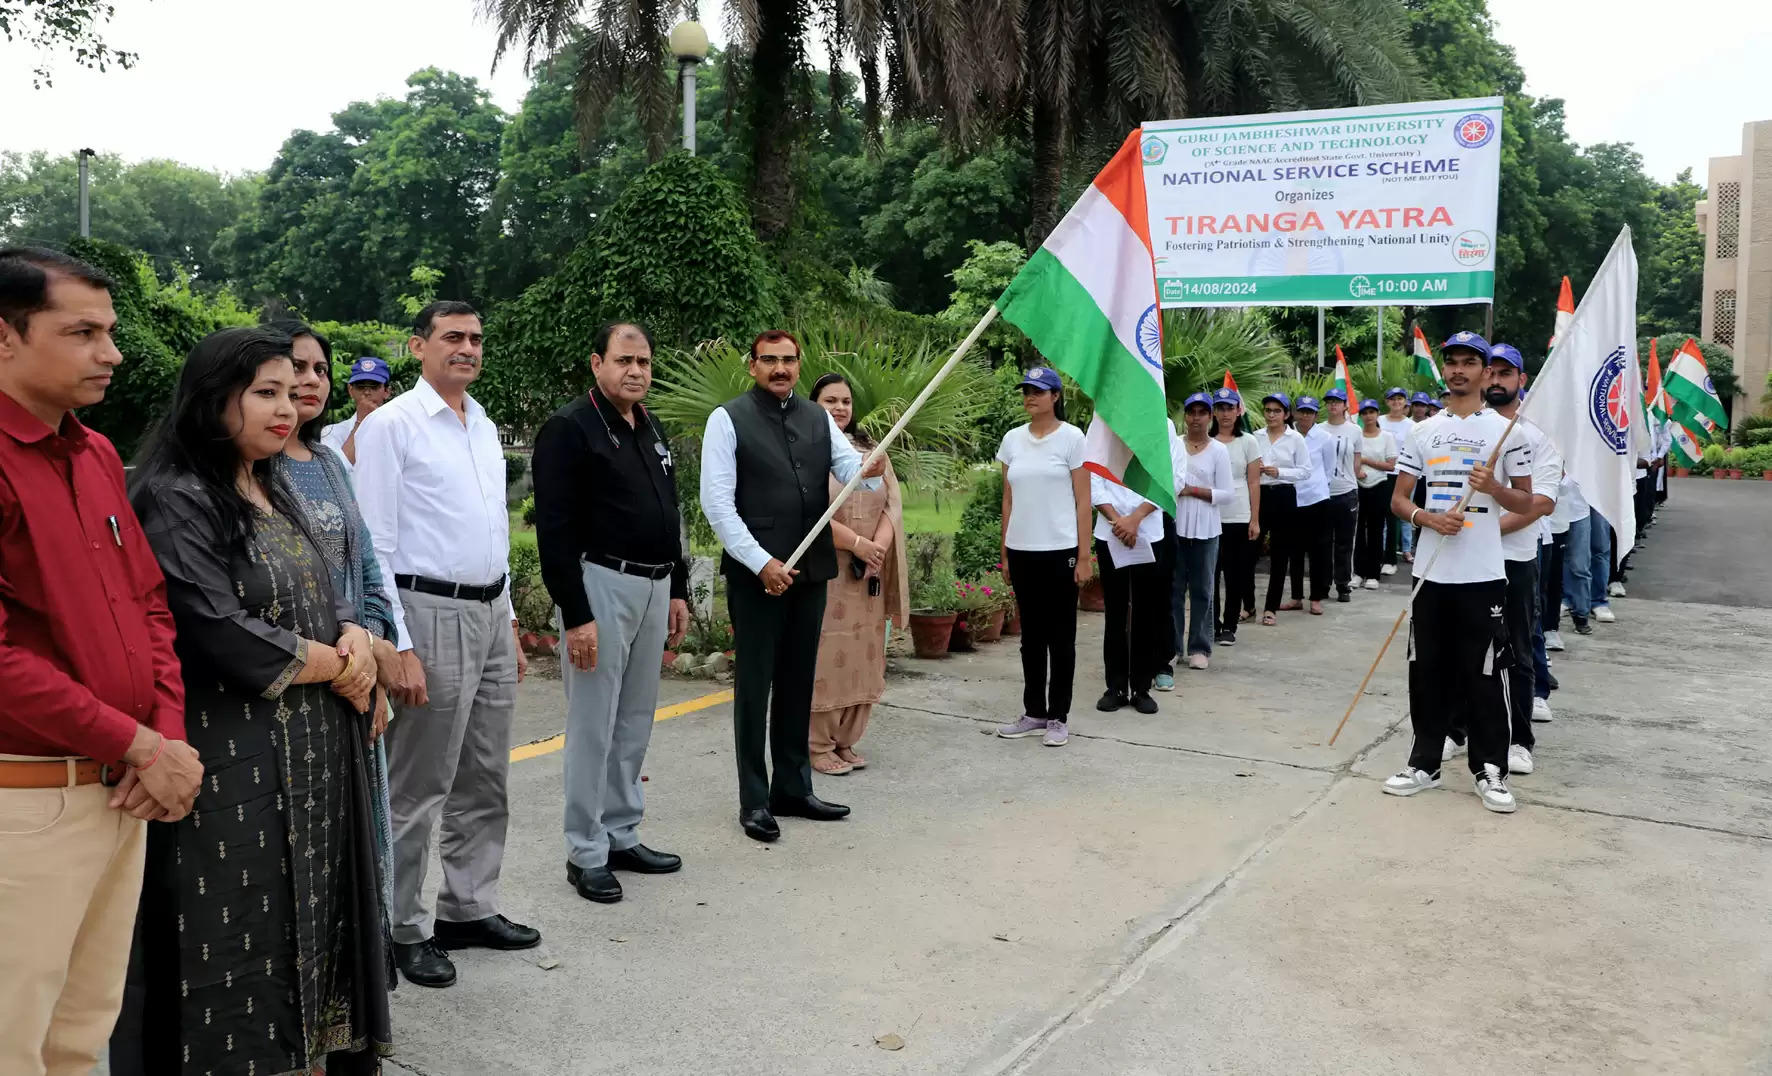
1196 661
1409 781
1388 569
1356 583
1553 640
1541 711
1519 760
1603 613
1452 750
1492 790
1371 584
1615 589
1566 609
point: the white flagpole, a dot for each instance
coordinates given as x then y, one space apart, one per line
892 434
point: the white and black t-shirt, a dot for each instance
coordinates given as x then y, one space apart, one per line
1347 452
1440 453
1547 475
1042 502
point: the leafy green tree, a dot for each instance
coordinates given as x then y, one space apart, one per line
51 26
1672 292
171 211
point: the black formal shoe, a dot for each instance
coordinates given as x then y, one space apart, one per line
807 807
1110 701
1143 703
424 964
492 932
642 860
1344 596
594 883
759 825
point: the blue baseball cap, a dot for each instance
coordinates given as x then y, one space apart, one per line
1369 404
1421 398
1227 396
1280 398
1198 398
1509 354
369 368
1396 390
1336 394
1044 378
1468 340
1306 403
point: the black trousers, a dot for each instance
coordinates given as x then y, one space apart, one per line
1236 575
1315 542
1279 518
1392 535
1550 584
1045 585
1139 640
775 660
1644 502
1522 614
1373 529
1344 514
1458 661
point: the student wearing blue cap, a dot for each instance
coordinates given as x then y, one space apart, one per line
1240 516
369 389
1378 457
1203 484
1045 552
1285 463
1344 491
1421 406
1459 654
1315 534
1399 538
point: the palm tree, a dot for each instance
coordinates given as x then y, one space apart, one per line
1201 345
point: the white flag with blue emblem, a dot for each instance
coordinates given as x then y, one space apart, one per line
1586 399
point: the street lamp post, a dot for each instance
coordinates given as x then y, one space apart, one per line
689 43
85 214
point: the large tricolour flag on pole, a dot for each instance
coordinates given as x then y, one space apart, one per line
1687 448
1689 387
1654 396
1565 311
1088 300
1588 397
1424 359
1345 382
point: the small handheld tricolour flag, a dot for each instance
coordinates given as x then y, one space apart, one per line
1088 300
1565 311
1231 383
1345 382
1691 392
1687 450
1424 359
1654 395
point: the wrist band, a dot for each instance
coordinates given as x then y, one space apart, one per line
1412 516
156 756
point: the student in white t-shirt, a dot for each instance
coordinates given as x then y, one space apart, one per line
1203 484
1344 490
1316 536
1378 458
1458 645
1045 552
1240 516
1399 537
1285 465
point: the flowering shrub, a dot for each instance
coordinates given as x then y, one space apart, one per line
997 589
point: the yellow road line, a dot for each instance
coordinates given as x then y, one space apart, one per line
665 713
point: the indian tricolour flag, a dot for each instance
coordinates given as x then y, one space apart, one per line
1565 311
1345 382
1654 395
1088 301
1687 449
1424 359
1688 386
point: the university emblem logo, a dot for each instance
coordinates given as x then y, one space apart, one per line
1606 405
1473 131
1153 149
1150 337
368 364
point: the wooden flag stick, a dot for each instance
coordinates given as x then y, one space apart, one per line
1422 578
892 434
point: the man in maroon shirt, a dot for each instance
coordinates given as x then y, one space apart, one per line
92 710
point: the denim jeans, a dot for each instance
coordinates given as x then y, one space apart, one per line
1196 560
1578 562
1600 542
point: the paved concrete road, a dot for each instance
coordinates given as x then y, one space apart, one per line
1210 889
1717 527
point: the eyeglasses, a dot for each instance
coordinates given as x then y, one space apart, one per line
776 360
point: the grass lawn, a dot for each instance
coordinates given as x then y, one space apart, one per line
925 512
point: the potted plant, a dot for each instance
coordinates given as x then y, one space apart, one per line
975 607
1001 601
934 608
1011 611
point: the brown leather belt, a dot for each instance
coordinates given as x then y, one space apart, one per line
66 773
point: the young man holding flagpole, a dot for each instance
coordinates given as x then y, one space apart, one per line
1458 641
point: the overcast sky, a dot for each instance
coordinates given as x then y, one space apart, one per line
221 83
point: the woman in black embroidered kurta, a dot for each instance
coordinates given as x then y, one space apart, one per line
261 948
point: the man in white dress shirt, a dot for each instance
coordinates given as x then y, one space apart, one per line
765 458
431 483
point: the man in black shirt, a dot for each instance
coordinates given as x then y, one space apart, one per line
611 546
